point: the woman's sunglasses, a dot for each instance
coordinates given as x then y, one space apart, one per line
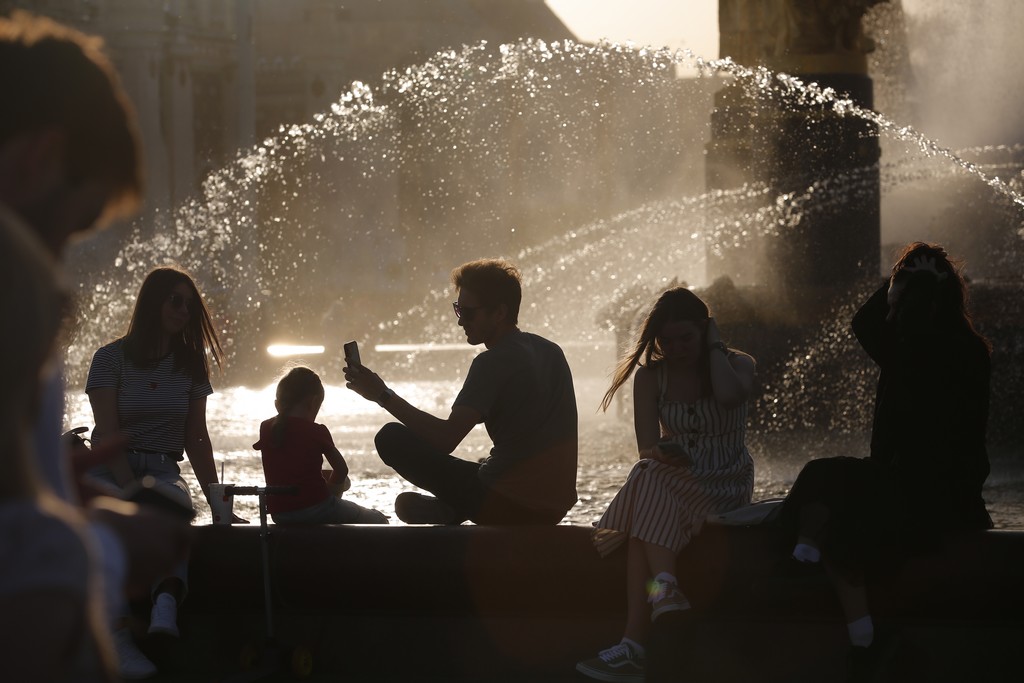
178 301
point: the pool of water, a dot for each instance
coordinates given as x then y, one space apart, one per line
607 449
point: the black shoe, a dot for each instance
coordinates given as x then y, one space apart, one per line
791 568
618 664
867 664
415 508
670 646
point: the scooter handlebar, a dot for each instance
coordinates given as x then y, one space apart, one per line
257 490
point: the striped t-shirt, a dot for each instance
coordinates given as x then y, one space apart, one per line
152 400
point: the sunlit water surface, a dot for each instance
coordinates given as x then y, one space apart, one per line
607 449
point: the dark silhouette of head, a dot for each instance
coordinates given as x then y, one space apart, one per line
495 281
678 304
69 149
144 338
298 385
932 291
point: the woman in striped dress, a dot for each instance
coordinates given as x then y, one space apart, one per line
689 394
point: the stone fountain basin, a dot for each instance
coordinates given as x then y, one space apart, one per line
484 603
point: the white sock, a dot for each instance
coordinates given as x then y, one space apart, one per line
665 577
163 597
804 552
862 631
635 646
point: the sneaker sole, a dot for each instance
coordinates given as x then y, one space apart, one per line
138 674
414 508
609 677
164 631
666 609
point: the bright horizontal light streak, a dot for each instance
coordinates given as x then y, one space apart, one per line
406 348
416 348
281 350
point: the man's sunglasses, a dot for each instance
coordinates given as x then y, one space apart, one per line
466 313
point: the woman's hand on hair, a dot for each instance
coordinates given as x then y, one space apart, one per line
712 335
925 264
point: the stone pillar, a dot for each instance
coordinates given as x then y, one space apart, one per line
764 139
245 83
138 54
180 132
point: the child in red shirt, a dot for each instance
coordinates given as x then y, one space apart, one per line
293 446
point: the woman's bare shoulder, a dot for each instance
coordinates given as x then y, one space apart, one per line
741 359
646 373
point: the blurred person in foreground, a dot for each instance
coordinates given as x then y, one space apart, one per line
69 161
520 388
51 627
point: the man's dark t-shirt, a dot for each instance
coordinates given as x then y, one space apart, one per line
523 389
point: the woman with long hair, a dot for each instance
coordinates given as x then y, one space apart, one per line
928 459
150 386
689 412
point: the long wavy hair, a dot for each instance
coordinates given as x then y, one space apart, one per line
674 305
948 291
196 344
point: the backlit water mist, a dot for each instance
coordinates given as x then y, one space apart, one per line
346 227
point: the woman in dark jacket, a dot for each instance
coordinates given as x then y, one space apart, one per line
928 459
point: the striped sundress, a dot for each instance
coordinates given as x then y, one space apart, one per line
667 504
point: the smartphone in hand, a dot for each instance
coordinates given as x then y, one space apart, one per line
352 354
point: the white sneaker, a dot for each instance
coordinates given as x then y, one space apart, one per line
132 664
164 617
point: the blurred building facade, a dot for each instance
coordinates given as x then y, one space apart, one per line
209 77
384 220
